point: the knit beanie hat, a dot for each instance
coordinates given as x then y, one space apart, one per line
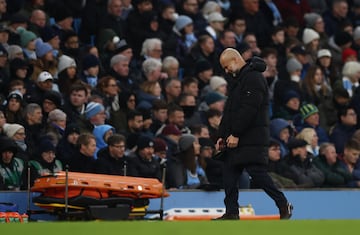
15 95
46 146
41 48
292 65
160 145
346 53
311 18
216 82
92 109
309 35
290 94
182 21
121 46
213 97
170 129
144 142
25 36
307 110
186 141
202 66
356 33
13 50
71 128
296 143
18 63
350 68
323 53
89 61
65 62
47 33
11 129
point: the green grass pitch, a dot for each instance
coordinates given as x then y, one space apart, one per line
291 227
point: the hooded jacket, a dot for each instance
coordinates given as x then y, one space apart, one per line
246 115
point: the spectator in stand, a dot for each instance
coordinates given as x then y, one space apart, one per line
309 115
90 70
56 125
66 74
281 131
329 108
251 40
143 164
293 67
256 22
112 19
297 10
314 89
311 41
344 129
200 131
329 164
171 135
33 126
339 42
170 66
45 59
37 21
70 45
83 160
172 90
2 122
315 21
350 162
289 109
76 103
216 23
213 119
183 171
276 166
351 76
188 104
95 115
27 42
102 133
190 85
45 163
181 40
12 169
191 9
14 51
335 15
52 100
112 159
300 167
237 24
311 138
20 70
159 115
43 84
49 35
218 84
176 116
66 148
17 133
167 17
330 71
213 168
13 109
152 70
136 24
349 54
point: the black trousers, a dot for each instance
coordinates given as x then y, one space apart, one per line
260 178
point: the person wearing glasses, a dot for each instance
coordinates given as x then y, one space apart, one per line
112 159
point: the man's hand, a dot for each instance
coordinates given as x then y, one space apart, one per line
219 146
232 141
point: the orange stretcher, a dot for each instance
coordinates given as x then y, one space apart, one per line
99 196
98 186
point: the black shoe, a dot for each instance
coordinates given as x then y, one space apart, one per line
228 217
286 211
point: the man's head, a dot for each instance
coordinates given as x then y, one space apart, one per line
329 152
310 114
135 121
87 144
116 145
347 116
351 151
297 147
231 61
145 147
33 114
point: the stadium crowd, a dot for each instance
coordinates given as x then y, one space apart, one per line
128 87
